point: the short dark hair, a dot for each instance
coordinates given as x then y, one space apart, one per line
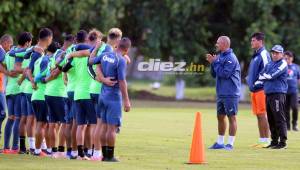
125 43
5 37
81 36
69 38
258 36
24 37
53 47
44 33
289 53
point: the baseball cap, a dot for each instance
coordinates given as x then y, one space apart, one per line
277 48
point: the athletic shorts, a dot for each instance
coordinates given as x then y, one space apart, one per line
2 106
95 99
85 112
70 108
40 110
227 105
14 105
56 109
111 111
258 101
26 106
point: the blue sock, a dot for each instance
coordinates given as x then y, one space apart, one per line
7 132
15 145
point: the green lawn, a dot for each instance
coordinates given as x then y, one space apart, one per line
198 93
159 138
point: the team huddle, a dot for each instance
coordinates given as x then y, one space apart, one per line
67 100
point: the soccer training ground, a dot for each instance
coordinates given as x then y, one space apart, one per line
157 136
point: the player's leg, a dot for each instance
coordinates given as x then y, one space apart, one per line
81 127
287 111
2 111
271 120
68 126
40 110
22 126
231 109
114 116
99 108
16 126
221 117
30 123
9 124
294 105
263 125
92 122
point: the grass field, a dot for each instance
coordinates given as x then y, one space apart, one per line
159 138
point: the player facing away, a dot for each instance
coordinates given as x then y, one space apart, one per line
112 66
38 64
225 68
258 99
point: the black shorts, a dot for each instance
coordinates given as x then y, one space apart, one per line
56 109
85 112
40 110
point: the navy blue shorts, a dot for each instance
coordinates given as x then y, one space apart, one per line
56 109
29 104
2 106
26 106
14 104
70 108
85 112
40 110
227 105
95 99
111 111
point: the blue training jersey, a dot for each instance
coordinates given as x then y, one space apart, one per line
112 65
293 77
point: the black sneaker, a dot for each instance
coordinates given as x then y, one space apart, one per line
280 146
271 146
110 160
295 128
22 152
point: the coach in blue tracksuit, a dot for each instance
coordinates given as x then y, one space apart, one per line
225 68
292 92
274 76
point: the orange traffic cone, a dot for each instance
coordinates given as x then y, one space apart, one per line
197 147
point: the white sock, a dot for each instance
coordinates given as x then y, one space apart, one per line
49 150
97 153
90 151
74 153
231 140
220 139
44 145
37 151
31 141
266 140
261 140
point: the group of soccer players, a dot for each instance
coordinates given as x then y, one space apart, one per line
55 96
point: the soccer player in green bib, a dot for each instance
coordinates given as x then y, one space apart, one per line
38 64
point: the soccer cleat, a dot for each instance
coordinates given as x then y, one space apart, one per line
217 146
31 151
280 146
73 157
110 160
88 155
271 146
93 158
68 154
14 151
22 152
84 158
261 145
228 147
59 155
295 128
41 154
